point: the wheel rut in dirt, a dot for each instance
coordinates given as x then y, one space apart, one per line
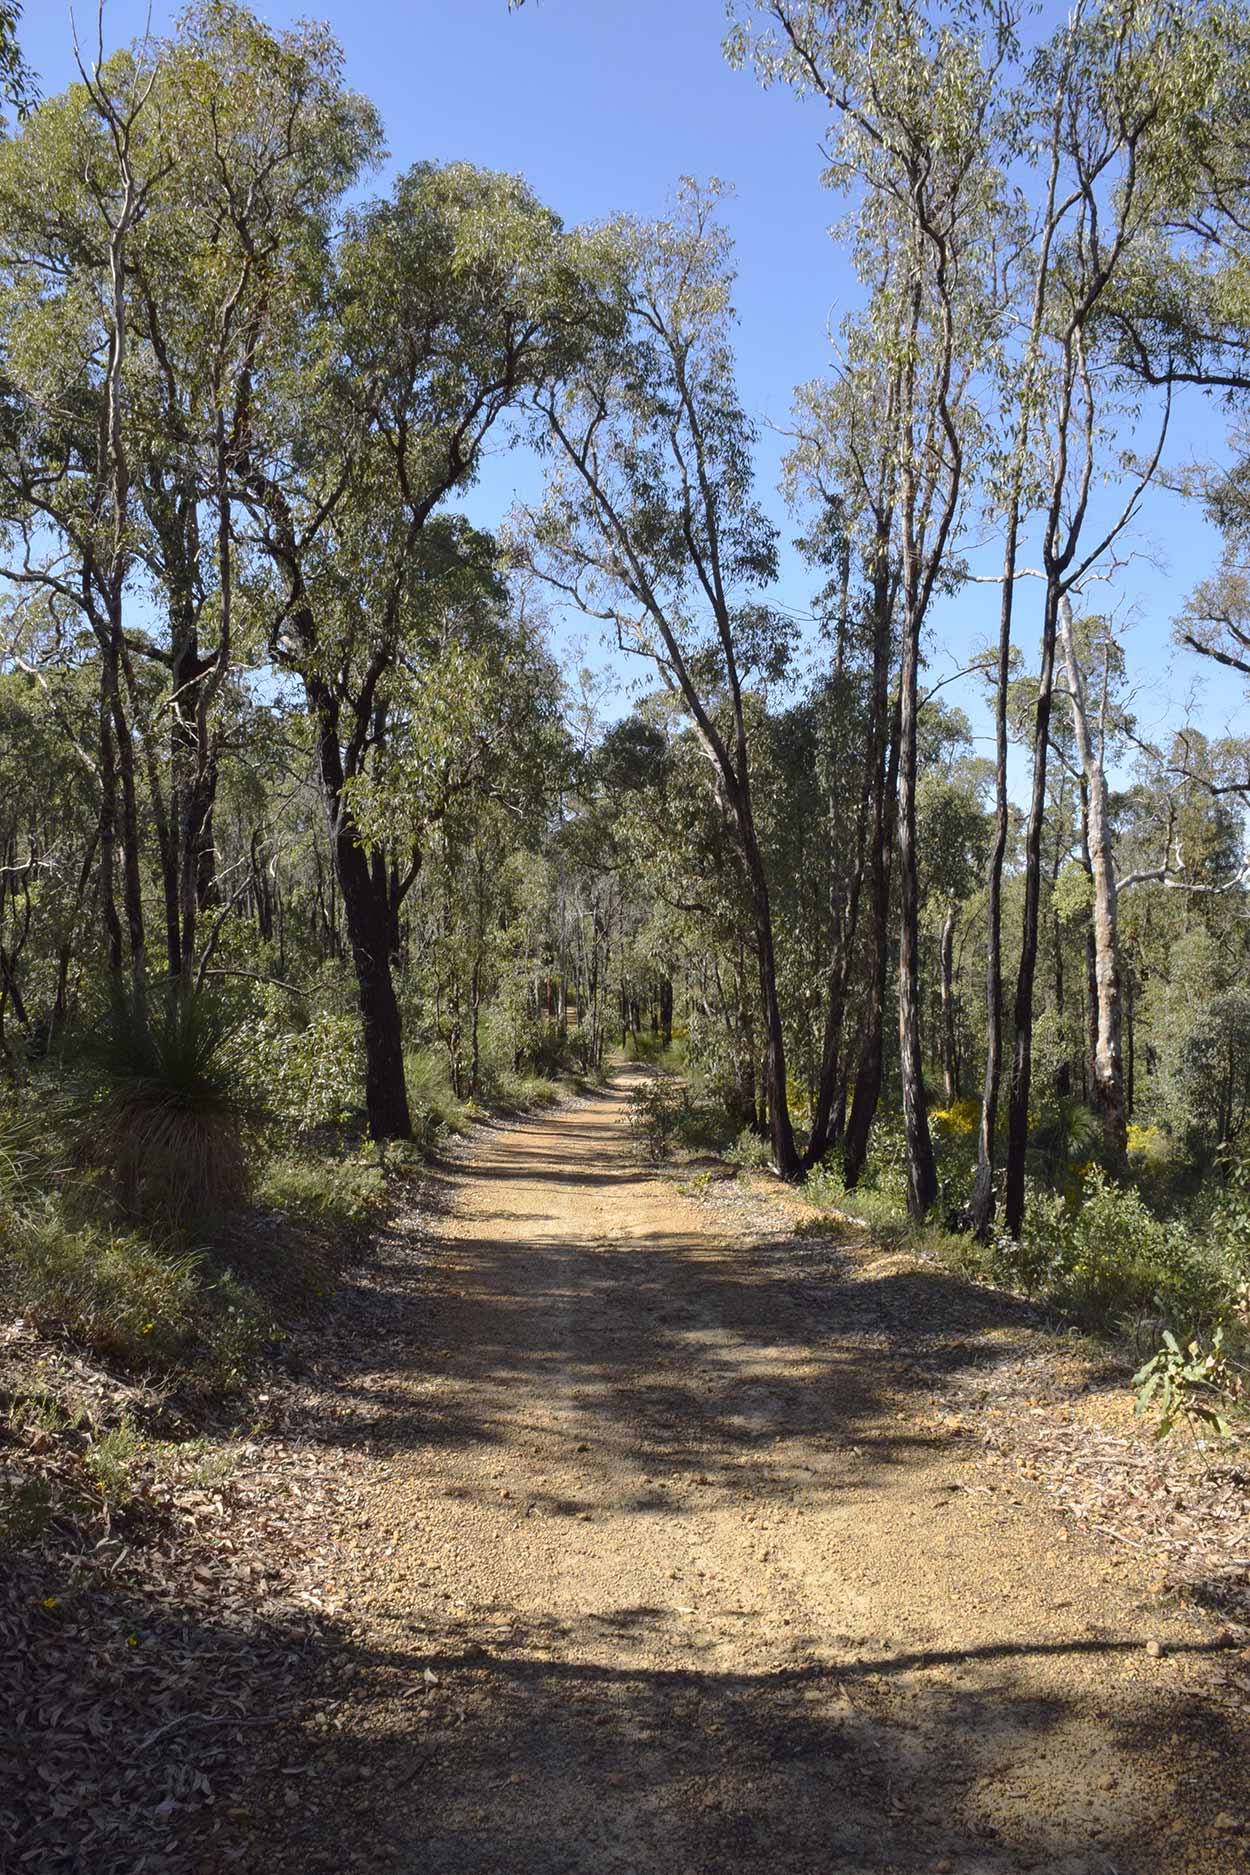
667 1561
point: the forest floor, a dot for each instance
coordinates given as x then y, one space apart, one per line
658 1528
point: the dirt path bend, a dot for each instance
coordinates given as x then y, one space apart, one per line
667 1564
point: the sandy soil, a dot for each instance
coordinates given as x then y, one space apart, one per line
667 1559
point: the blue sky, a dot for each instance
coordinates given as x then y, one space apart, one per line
602 105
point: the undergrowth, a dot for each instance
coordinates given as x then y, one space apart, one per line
146 1307
191 1178
1094 1247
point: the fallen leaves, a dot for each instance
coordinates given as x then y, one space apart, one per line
144 1647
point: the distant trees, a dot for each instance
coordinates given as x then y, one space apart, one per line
651 524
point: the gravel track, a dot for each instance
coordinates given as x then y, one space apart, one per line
666 1558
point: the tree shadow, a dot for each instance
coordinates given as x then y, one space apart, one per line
505 1759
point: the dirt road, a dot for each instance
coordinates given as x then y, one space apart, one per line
668 1563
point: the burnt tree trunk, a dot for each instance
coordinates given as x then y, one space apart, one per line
370 915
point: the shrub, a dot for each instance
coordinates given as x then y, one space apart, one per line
885 1168
664 1113
548 1050
824 1186
750 1150
303 1075
1148 1145
656 1109
1109 1257
1191 1387
1224 1228
959 1121
432 1101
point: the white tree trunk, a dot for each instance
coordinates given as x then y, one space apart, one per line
1108 1058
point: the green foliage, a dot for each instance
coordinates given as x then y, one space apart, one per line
129 1293
1194 1387
547 1050
1063 1142
110 1459
431 1098
657 1110
665 1113
1073 894
1108 1258
885 1168
750 1151
324 1188
148 1309
300 1074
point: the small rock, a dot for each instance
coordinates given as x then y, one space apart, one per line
1226 1821
944 1866
1155 1649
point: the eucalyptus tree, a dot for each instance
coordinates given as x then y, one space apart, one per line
1215 620
48 838
447 302
163 223
954 841
916 141
651 524
259 139
814 794
76 185
17 81
1117 91
845 461
1091 733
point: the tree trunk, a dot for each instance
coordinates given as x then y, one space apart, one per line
1022 1057
1108 1063
386 1095
370 926
107 833
921 1170
883 756
981 1204
950 1063
826 1119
